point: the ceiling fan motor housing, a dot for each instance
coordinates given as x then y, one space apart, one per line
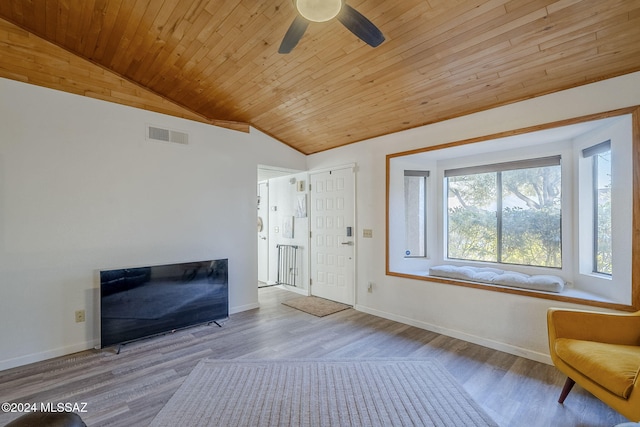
318 10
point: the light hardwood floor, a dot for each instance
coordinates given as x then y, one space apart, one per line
130 388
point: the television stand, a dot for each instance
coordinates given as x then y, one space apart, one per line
120 345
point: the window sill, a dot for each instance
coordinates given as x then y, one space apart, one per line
570 295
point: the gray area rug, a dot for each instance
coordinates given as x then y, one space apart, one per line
319 307
308 392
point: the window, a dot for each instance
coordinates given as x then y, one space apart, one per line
601 178
506 213
415 202
554 200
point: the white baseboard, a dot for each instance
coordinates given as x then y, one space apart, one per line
293 289
496 345
45 355
74 348
239 308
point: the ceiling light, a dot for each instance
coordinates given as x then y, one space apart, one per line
318 10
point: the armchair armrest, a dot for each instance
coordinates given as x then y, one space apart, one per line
612 328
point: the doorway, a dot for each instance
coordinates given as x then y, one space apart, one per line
271 207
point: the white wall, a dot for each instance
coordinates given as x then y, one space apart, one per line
81 189
512 323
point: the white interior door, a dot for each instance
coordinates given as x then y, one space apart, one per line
333 234
263 232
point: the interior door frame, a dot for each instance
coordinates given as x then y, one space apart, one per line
354 170
263 258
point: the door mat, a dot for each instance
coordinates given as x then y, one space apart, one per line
317 306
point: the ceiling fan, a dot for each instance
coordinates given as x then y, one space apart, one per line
325 10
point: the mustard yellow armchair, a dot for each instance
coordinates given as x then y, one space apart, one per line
601 352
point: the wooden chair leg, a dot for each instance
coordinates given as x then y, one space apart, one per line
568 385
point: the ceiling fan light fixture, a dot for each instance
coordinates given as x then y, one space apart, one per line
318 10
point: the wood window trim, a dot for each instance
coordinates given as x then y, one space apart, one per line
635 244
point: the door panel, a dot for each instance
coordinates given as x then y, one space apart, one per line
333 251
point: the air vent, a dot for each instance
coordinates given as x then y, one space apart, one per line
167 135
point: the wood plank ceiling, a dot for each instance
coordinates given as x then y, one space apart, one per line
217 59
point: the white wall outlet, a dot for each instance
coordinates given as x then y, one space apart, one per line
80 316
367 233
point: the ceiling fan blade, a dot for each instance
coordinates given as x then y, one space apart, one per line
360 26
293 35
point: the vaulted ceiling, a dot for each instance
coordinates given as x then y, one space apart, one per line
217 60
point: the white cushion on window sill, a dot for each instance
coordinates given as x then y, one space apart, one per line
539 282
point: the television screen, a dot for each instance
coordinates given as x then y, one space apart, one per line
141 302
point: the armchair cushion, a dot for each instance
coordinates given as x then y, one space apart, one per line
594 360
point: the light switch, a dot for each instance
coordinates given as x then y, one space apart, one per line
367 232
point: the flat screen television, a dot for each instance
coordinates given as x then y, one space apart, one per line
141 302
